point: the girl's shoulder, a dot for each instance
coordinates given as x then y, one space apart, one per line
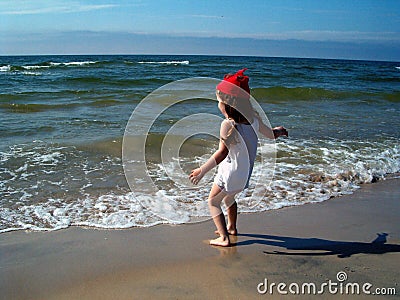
228 122
226 127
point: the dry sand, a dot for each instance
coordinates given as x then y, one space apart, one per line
357 234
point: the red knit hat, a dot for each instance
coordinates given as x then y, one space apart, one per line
235 85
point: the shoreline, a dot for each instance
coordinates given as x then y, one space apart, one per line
358 234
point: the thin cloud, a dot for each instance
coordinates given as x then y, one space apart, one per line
338 36
306 35
60 8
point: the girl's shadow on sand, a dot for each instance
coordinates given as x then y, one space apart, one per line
339 248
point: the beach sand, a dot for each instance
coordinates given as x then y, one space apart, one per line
358 234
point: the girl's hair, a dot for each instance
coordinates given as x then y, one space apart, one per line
238 109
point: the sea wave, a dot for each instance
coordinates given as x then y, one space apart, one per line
6 68
31 73
48 187
374 78
172 62
35 67
37 107
45 65
73 63
278 94
134 82
281 93
34 107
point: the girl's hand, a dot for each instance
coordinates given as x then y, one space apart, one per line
279 131
195 176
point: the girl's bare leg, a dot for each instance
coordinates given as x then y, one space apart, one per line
232 214
214 203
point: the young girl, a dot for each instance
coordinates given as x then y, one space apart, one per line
236 153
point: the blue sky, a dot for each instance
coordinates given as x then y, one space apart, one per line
356 29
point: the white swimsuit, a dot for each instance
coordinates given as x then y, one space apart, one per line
235 170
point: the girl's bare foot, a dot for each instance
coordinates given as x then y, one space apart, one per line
221 241
230 231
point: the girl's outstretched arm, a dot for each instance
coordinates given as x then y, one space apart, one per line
271 133
197 174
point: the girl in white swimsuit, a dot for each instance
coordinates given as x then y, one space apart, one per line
236 153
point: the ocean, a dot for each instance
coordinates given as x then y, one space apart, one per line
63 120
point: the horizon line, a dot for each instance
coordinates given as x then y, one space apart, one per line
222 55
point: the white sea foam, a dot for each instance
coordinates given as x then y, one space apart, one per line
56 187
173 62
28 70
31 73
73 63
5 68
34 67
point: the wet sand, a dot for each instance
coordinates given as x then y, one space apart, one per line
358 234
